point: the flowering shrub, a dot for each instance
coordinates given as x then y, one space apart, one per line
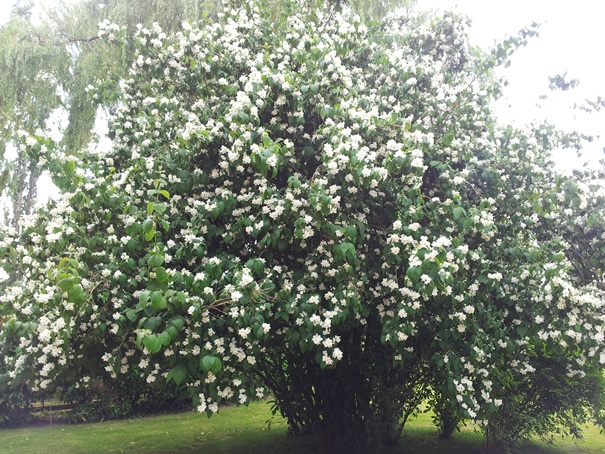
325 211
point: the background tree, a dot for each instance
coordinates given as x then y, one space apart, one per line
47 67
31 68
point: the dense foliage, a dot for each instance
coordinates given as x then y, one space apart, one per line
325 211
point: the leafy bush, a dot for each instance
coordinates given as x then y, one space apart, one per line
320 209
547 402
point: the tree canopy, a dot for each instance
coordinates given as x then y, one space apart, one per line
325 211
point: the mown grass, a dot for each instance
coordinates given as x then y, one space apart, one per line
243 430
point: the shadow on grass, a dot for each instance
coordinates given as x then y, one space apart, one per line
240 430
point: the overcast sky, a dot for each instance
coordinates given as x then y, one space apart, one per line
571 40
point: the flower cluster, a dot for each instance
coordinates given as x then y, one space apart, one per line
281 195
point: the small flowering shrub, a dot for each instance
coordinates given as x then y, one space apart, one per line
316 209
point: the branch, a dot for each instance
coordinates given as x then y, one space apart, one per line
82 40
583 268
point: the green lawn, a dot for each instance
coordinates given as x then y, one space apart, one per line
240 431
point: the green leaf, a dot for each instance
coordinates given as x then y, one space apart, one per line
351 233
165 338
345 250
156 260
66 283
177 375
131 315
148 225
178 322
414 273
282 244
152 323
149 235
211 364
161 275
458 212
152 343
159 207
172 332
439 361
144 297
293 182
76 295
158 302
165 193
62 263
448 139
180 299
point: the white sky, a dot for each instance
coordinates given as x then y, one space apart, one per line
571 39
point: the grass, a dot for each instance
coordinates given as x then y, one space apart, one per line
242 430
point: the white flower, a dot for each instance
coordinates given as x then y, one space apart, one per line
246 279
314 299
417 162
45 335
272 161
495 276
236 296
